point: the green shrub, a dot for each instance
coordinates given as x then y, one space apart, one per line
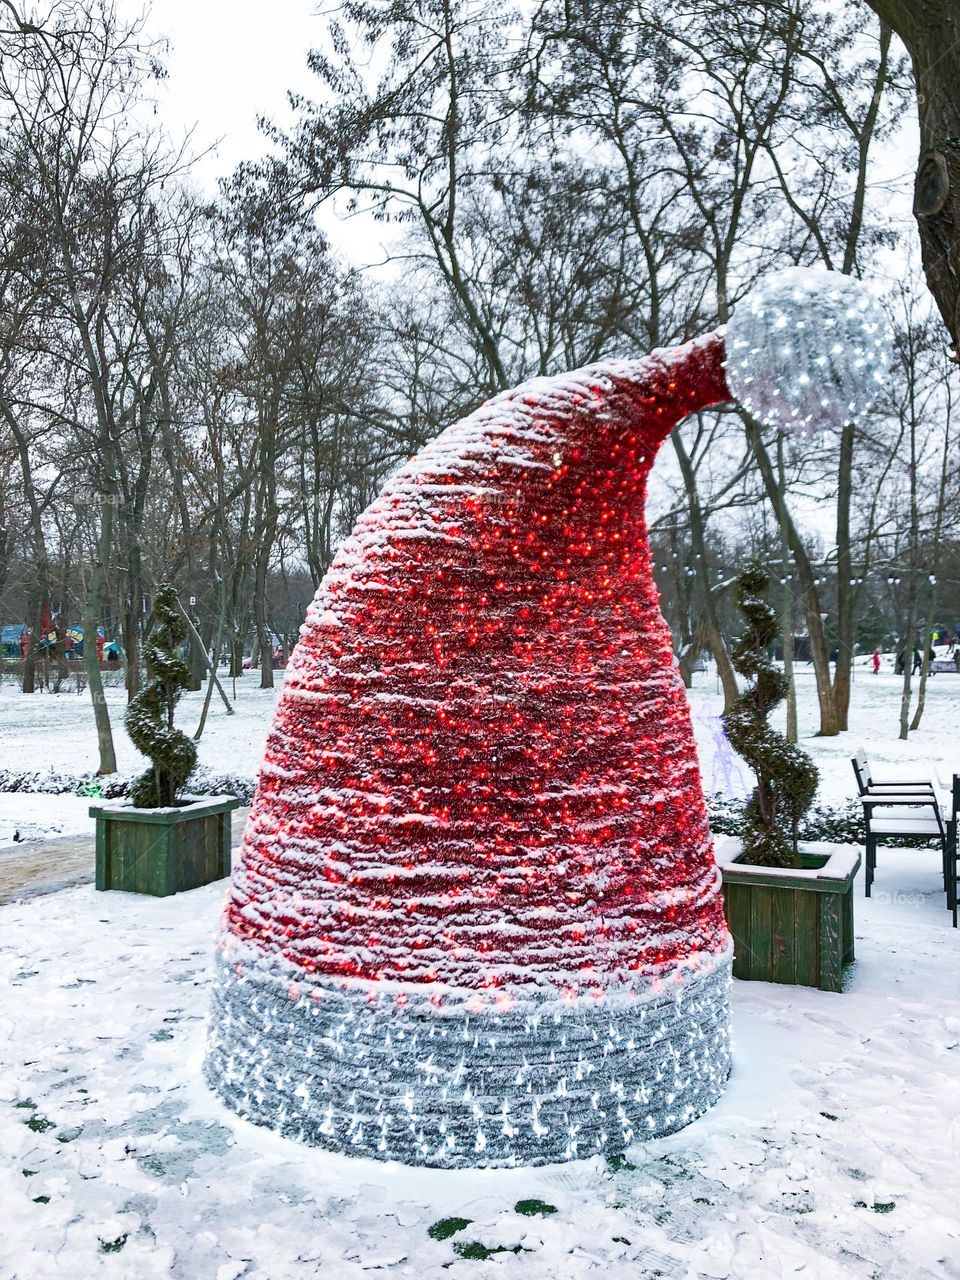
786 776
149 718
837 823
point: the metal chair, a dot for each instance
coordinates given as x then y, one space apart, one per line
952 857
905 814
868 785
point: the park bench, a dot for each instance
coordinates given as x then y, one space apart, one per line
907 807
952 851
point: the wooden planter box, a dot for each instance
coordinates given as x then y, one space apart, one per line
163 851
792 925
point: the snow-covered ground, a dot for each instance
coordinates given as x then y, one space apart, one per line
834 1153
25 817
54 734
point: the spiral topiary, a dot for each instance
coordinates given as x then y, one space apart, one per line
149 718
786 776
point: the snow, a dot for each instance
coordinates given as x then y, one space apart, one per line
55 732
832 1154
198 805
28 816
932 751
840 861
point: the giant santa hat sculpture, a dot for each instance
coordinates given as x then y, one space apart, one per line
476 918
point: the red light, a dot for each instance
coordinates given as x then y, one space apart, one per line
482 750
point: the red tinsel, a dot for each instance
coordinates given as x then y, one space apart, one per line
482 772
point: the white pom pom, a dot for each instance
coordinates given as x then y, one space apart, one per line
809 350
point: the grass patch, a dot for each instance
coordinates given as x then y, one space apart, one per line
534 1208
113 1246
447 1227
40 1124
476 1252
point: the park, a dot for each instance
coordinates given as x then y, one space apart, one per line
479 641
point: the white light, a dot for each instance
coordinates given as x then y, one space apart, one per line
654 1061
830 372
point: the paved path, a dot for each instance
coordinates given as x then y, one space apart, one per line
41 868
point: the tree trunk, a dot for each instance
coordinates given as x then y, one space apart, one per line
29 682
41 597
909 644
214 657
690 643
236 657
711 621
59 652
91 616
930 29
264 637
925 667
786 611
829 721
910 638
196 661
721 655
845 587
131 622
942 501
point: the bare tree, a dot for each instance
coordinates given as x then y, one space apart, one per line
66 101
408 143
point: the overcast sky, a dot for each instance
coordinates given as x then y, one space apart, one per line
230 61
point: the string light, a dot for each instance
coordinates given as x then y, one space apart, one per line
808 350
476 918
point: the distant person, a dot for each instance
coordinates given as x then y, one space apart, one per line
900 663
917 662
956 658
876 662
